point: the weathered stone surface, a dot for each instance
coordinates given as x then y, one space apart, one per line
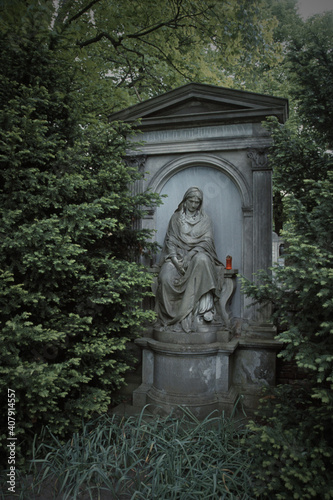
211 137
195 375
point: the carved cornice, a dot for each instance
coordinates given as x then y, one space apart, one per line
259 159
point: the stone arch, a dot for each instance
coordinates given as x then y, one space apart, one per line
171 168
226 199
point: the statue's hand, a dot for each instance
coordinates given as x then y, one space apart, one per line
181 270
178 265
188 259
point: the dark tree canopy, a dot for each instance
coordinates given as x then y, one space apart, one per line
310 59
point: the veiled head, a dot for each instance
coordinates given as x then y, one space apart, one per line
193 191
193 194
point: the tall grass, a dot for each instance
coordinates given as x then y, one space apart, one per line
144 457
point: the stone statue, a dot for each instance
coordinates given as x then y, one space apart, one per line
190 277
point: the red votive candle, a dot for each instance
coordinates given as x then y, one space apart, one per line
228 262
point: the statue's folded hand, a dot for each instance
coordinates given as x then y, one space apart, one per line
178 265
188 258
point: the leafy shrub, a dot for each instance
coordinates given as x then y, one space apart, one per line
292 452
292 443
71 287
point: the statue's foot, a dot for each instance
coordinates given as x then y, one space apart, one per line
208 316
176 328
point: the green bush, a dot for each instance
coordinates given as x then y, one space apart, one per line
71 287
291 450
291 444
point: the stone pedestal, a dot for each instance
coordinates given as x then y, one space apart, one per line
196 376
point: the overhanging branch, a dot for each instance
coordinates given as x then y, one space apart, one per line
172 23
82 11
97 38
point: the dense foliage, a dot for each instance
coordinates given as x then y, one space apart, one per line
292 442
71 287
310 64
145 48
290 447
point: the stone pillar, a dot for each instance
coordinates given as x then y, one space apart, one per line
262 222
247 309
138 162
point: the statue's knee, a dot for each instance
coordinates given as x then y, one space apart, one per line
201 257
167 273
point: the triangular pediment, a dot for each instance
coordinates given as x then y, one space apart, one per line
195 105
198 102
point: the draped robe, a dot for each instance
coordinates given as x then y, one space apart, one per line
181 297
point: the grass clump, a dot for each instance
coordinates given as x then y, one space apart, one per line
145 457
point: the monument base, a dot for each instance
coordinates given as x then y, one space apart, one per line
204 372
196 376
200 407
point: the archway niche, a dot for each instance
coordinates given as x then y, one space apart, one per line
223 202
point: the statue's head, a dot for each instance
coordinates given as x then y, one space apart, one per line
192 200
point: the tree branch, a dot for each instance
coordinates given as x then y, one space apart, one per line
166 58
97 38
172 23
82 11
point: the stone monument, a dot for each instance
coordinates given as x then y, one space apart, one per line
206 149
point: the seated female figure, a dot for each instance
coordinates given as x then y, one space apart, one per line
190 278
